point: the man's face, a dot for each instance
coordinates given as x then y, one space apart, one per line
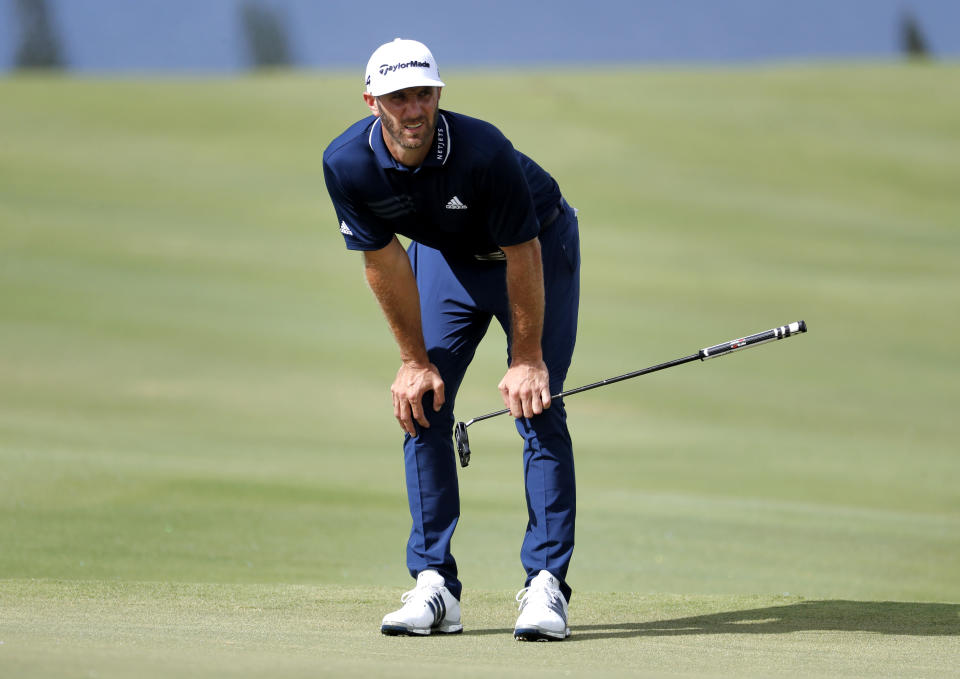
410 116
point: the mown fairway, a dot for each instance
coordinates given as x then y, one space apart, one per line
199 469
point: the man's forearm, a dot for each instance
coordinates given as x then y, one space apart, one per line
526 297
391 279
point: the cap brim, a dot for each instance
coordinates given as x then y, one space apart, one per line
402 85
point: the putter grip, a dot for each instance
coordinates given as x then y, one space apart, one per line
725 348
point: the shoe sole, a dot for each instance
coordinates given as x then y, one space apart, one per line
401 631
537 634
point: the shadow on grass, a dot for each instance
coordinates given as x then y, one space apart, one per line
881 617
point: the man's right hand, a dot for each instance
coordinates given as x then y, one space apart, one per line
413 381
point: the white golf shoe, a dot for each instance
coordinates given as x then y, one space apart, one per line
543 611
428 608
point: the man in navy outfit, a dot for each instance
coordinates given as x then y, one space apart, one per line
492 237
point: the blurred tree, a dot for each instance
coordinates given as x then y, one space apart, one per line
912 42
266 35
39 45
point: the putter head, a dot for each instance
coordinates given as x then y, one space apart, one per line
463 443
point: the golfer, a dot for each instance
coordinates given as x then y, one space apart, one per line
491 237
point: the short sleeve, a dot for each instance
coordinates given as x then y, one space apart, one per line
511 214
360 232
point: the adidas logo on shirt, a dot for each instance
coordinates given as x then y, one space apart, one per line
456 204
345 230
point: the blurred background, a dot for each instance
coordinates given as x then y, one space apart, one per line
194 377
232 35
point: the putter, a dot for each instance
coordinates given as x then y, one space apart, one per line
784 331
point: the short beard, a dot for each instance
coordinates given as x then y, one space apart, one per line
395 129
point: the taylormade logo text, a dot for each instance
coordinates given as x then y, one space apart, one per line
386 69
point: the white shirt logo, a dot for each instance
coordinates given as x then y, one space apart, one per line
345 230
456 204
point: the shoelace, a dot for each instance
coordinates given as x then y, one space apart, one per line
425 590
526 595
425 597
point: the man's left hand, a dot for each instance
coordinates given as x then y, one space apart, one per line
526 388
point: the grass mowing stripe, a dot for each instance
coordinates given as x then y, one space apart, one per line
193 380
223 630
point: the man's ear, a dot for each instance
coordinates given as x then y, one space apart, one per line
371 102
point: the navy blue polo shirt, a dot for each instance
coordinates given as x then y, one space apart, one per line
473 194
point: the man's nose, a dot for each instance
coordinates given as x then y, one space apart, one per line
413 109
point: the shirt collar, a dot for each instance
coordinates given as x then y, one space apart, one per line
439 153
441 144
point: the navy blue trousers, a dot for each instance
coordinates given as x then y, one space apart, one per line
458 299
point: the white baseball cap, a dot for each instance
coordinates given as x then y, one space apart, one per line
400 64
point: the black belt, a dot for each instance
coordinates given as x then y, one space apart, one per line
550 218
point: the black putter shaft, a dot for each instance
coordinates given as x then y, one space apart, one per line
722 349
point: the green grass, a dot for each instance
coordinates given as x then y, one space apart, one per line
199 471
159 629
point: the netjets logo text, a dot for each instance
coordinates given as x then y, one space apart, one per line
386 69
